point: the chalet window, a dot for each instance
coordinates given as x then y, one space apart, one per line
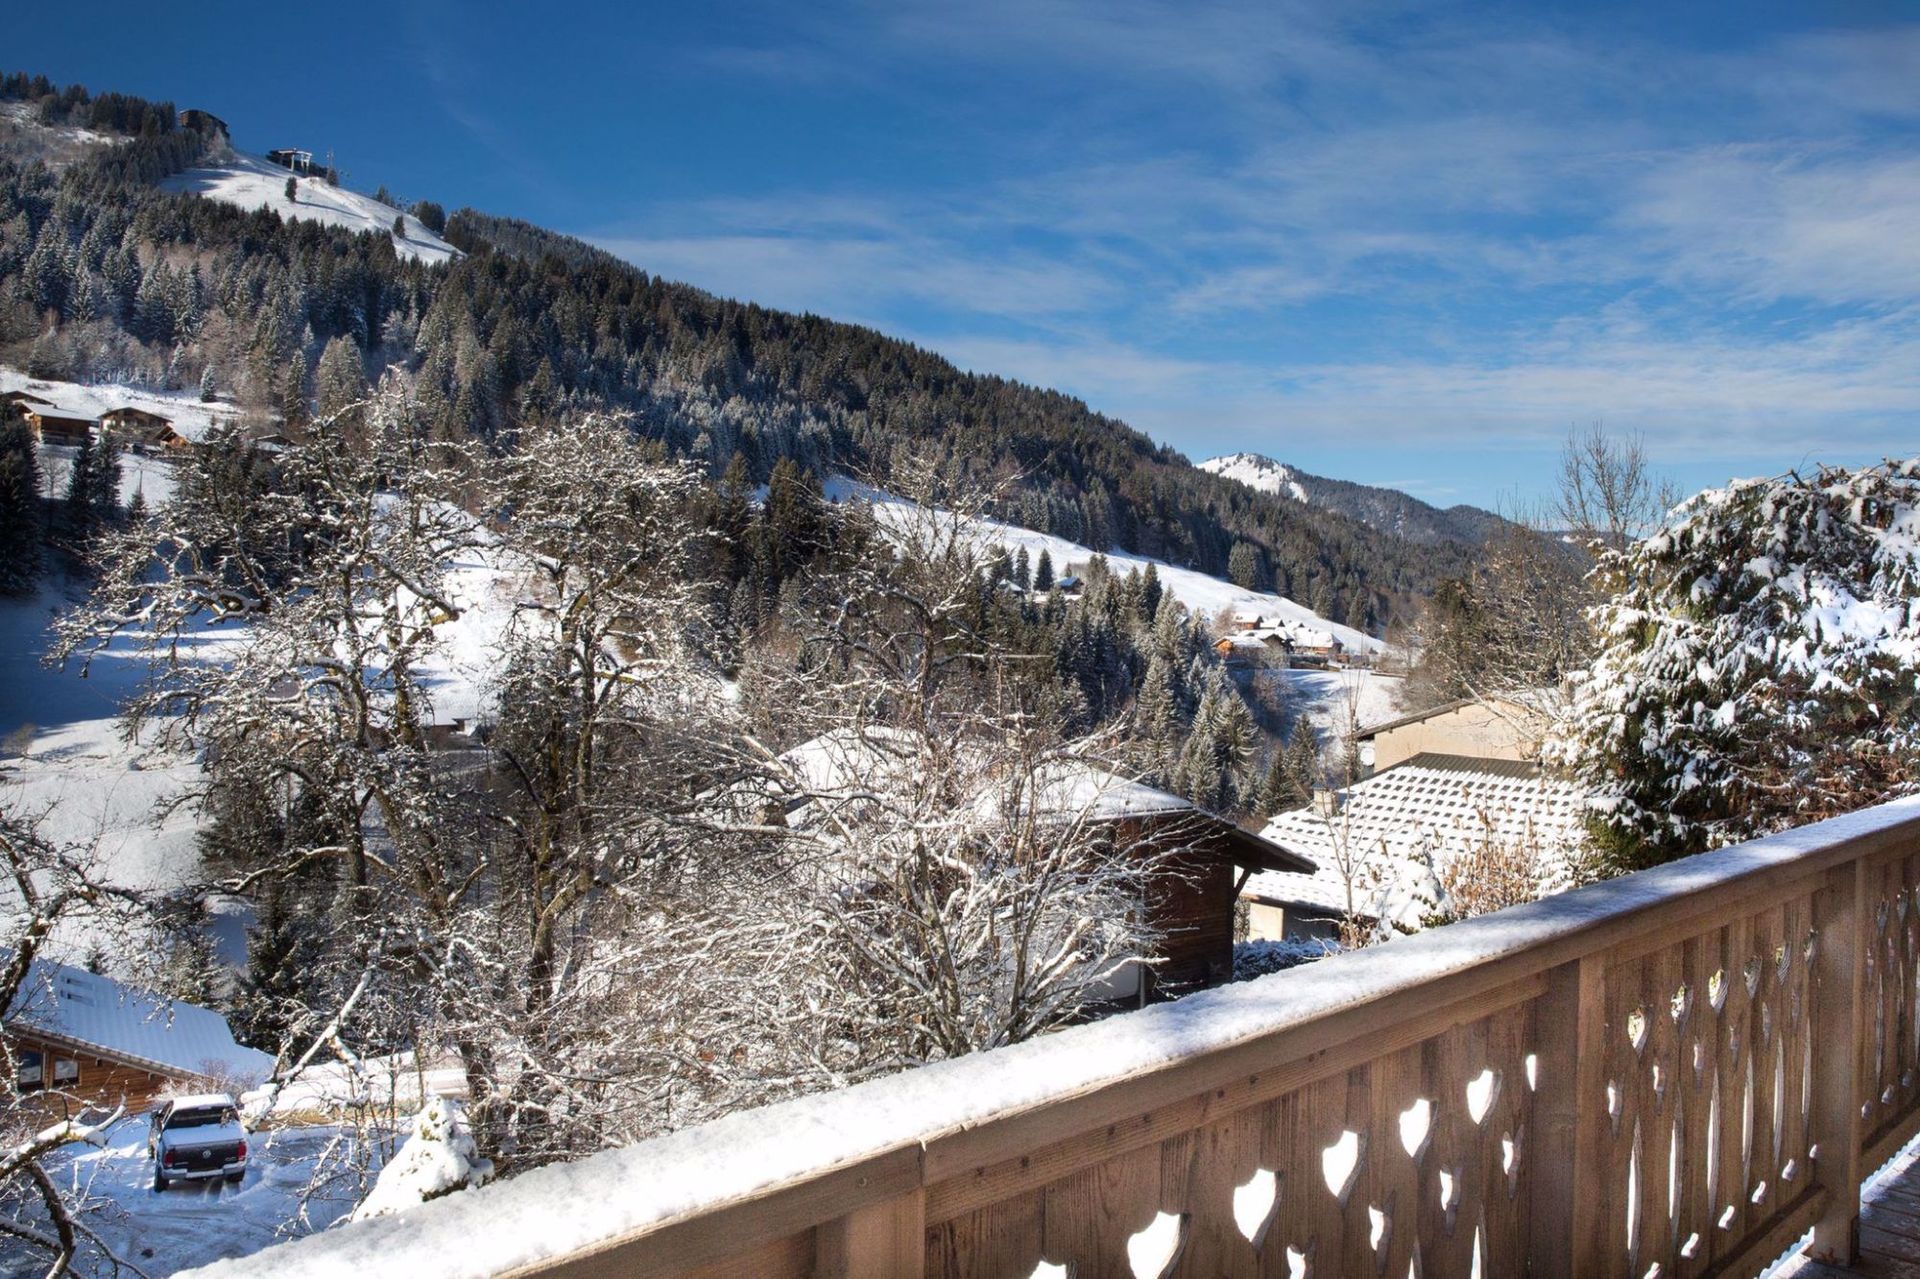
66 1072
29 1077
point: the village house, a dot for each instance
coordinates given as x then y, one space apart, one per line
1374 843
1509 726
1191 904
88 1039
54 425
15 405
1269 648
142 429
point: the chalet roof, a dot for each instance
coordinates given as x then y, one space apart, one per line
1437 807
845 763
1525 701
98 1014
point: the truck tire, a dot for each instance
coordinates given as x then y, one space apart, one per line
235 1178
159 1181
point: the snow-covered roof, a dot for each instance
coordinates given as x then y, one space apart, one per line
844 764
1432 808
87 1010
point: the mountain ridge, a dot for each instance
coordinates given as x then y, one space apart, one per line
517 323
1386 510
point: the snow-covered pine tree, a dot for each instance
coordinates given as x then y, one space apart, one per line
1758 664
20 530
1043 571
81 485
103 483
1244 567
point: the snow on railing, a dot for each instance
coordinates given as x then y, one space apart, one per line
1677 1072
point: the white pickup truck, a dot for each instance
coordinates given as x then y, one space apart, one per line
197 1139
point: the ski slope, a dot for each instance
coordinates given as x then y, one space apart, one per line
253 183
1198 591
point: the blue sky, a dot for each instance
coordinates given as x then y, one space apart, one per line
1403 244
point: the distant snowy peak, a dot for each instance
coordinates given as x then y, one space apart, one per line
1262 474
253 183
1387 510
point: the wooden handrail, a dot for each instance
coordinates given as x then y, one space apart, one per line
1686 1068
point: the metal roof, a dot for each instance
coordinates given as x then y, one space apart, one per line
96 1013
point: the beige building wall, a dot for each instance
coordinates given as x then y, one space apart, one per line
1498 730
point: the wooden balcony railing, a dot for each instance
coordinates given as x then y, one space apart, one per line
1678 1073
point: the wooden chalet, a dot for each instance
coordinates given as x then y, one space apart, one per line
1503 726
1205 856
54 425
15 405
88 1040
143 429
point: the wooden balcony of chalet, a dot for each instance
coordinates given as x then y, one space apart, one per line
1687 1072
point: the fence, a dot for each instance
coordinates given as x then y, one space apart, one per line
1677 1073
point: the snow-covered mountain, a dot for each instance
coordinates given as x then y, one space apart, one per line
253 183
1257 472
1387 510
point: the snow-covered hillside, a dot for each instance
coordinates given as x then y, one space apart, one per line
253 183
1261 474
1198 591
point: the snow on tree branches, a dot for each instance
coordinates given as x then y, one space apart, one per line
1758 664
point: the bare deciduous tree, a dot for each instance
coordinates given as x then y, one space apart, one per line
48 887
1608 491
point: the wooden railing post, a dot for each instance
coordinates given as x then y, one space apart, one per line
1567 1231
876 1241
1841 911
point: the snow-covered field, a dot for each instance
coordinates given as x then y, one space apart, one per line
194 1223
253 183
1198 591
1335 702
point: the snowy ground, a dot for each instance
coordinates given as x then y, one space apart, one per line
253 183
1198 591
1327 697
194 1223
